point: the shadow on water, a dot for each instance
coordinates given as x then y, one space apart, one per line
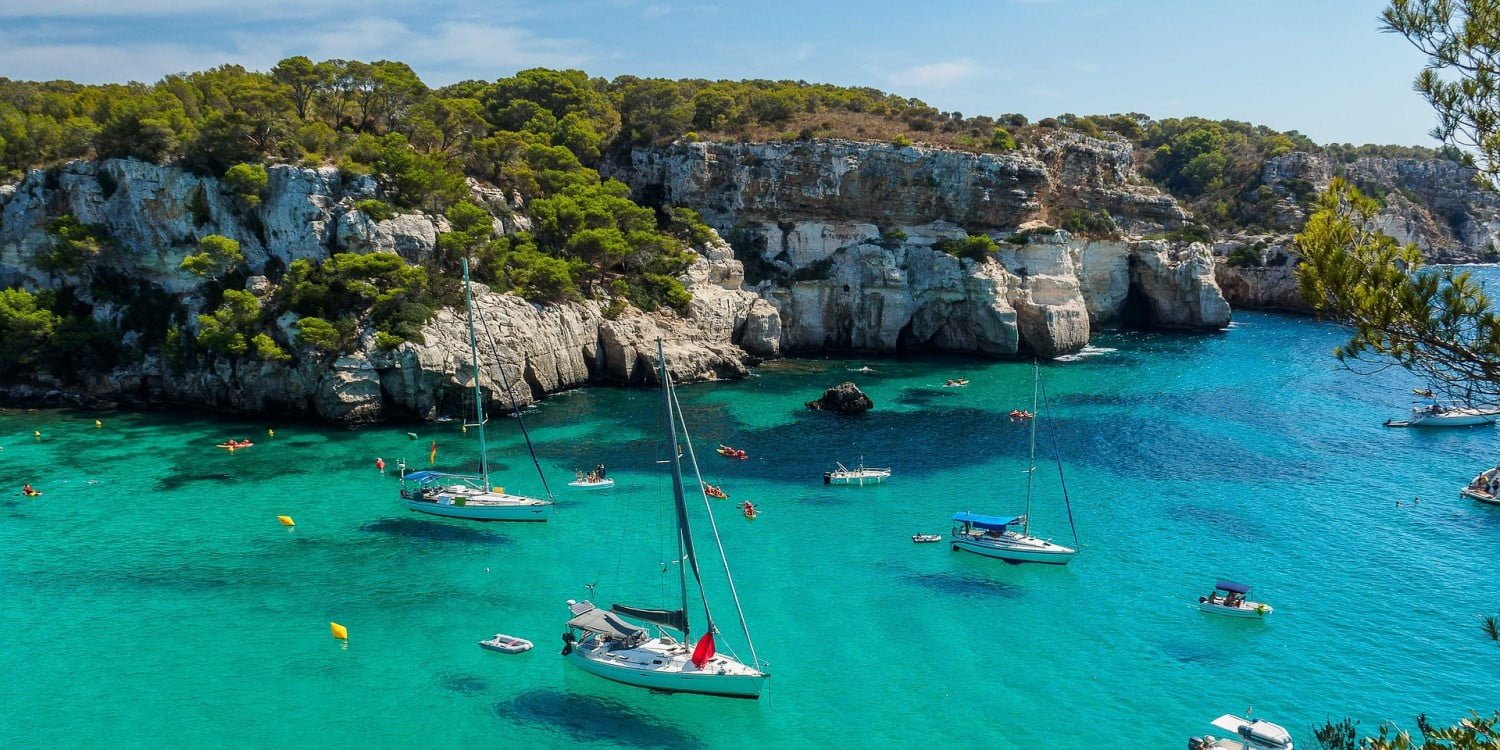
178 481
463 684
1216 518
1192 652
961 584
593 719
438 531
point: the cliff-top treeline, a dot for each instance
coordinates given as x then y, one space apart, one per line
381 117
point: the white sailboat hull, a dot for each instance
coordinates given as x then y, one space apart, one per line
1015 548
488 506
668 667
1449 418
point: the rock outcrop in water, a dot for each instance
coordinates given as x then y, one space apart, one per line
844 398
836 246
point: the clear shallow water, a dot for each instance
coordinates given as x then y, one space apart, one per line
151 598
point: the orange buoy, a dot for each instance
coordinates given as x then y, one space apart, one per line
286 521
339 631
380 464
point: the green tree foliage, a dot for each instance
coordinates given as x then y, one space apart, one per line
216 254
1461 39
397 298
26 325
247 182
73 245
230 329
1436 323
1472 733
1216 165
318 335
974 247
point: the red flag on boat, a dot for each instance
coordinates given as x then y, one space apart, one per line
704 651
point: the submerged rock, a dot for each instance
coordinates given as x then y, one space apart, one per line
845 398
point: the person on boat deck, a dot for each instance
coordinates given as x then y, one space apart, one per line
1213 598
599 471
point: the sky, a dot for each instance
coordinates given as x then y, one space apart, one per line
1321 67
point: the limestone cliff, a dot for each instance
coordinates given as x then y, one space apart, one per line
154 216
845 240
834 245
1446 208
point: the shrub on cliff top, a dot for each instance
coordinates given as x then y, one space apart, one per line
247 182
973 247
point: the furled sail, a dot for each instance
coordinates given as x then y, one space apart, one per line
670 618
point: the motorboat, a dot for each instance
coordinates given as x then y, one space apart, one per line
860 475
1485 488
1436 415
472 496
1249 734
506 644
640 646
1009 538
1228 599
926 538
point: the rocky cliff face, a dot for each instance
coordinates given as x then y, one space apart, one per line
845 240
155 216
844 244
1442 206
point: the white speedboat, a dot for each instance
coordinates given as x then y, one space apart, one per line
1249 734
860 475
607 644
1437 415
926 538
1485 488
997 536
506 644
471 496
1228 599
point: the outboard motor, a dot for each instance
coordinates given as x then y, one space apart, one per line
827 477
1199 743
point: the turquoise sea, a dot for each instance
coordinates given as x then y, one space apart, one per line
150 598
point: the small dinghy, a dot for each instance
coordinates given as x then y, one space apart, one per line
590 483
506 644
955 382
926 538
860 475
1485 488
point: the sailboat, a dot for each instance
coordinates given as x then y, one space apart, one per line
470 496
636 645
997 536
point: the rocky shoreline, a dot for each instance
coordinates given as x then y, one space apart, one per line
827 246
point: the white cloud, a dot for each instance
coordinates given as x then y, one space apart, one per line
936 75
442 54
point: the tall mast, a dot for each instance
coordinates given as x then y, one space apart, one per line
684 530
1036 376
484 459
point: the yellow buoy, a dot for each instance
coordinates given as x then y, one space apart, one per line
286 521
339 631
98 424
270 432
37 434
